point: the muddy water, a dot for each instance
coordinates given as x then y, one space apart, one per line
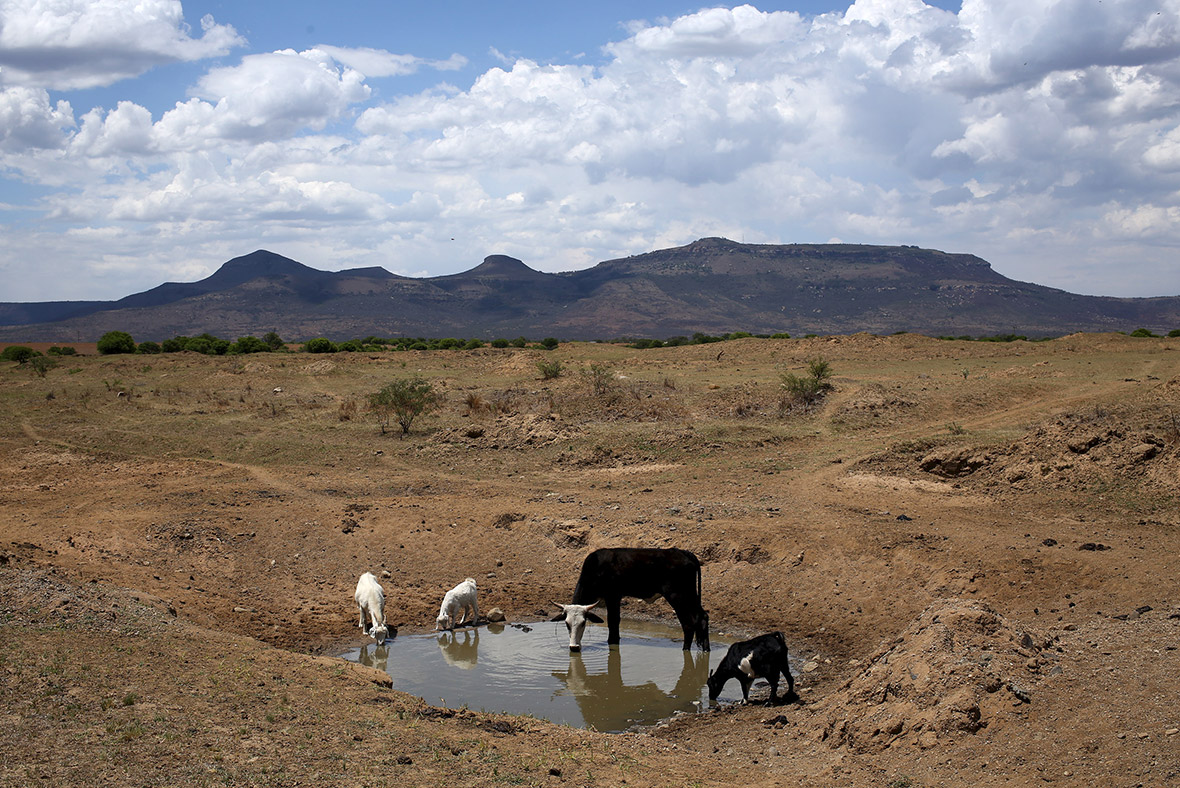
528 669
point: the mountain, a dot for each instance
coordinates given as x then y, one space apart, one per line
712 285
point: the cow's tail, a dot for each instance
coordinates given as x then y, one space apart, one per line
698 580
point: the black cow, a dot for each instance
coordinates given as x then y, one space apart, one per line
762 657
610 574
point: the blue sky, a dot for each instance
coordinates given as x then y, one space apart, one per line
143 142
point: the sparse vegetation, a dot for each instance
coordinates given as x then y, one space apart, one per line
403 400
550 369
803 392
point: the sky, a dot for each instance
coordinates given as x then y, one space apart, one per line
152 140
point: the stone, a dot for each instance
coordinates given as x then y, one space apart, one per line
496 615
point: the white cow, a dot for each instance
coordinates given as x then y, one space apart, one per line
370 600
460 599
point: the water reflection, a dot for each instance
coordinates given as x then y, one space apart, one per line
460 649
523 669
605 700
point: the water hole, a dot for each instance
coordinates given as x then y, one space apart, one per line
529 669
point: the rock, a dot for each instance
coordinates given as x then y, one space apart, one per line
1171 731
772 751
927 740
496 615
953 462
810 666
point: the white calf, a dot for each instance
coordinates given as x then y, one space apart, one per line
370 599
461 598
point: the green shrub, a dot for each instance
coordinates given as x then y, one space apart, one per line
472 344
349 346
404 400
1175 332
1142 332
319 345
174 345
65 350
274 341
550 369
549 343
804 392
780 335
519 342
199 345
18 353
500 343
148 348
249 344
113 342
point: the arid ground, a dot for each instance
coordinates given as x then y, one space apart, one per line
973 545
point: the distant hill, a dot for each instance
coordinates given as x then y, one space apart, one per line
712 285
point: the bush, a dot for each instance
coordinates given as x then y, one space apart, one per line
404 400
148 348
549 343
199 345
601 378
349 346
113 342
249 344
18 353
319 345
274 341
804 392
174 345
519 342
41 364
1175 332
472 344
499 343
550 369
65 350
1142 332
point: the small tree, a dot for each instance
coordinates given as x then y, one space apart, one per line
274 341
41 365
549 343
18 353
148 348
116 342
404 400
319 345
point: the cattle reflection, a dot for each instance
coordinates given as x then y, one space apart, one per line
460 648
607 704
374 655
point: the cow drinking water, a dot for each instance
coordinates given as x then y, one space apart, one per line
610 574
762 657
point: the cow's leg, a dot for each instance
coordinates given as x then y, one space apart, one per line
613 612
688 618
773 679
786 671
745 681
361 608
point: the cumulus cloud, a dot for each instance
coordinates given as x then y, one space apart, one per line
1026 131
65 44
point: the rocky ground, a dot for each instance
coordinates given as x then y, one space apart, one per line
971 544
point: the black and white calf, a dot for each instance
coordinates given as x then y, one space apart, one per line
610 574
762 657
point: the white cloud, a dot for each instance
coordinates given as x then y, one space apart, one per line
1039 135
64 44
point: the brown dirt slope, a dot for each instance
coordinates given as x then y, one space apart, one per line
970 544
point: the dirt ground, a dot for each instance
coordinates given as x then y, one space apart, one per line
973 546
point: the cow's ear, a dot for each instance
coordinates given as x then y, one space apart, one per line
559 617
593 617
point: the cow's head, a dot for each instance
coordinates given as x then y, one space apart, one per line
575 618
443 622
379 633
715 683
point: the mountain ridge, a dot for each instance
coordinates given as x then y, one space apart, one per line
713 285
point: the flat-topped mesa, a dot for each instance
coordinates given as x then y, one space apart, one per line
502 266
